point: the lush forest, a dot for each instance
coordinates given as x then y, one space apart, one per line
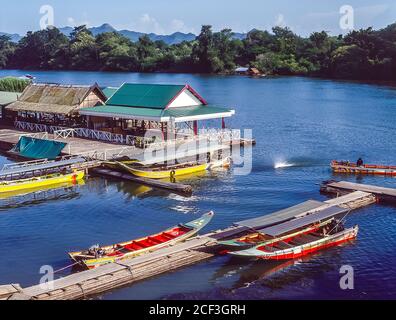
362 54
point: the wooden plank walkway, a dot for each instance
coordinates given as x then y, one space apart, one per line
75 146
8 290
101 150
92 282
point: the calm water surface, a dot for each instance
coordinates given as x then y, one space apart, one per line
304 122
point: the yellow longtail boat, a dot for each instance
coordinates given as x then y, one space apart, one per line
42 181
97 256
164 172
63 185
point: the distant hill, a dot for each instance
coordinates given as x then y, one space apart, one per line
134 36
14 37
102 29
66 30
174 38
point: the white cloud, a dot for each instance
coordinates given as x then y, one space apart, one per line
73 23
179 26
149 24
280 21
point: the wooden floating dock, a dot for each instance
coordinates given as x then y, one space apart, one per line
169 186
108 277
9 290
75 146
343 187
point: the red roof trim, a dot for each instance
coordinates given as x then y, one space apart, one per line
189 88
195 93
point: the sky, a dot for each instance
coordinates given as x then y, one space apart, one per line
168 16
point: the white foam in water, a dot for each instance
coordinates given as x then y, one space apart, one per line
283 164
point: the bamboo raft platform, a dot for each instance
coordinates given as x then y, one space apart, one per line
115 275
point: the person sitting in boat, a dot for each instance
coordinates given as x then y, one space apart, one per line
335 226
100 253
96 251
360 162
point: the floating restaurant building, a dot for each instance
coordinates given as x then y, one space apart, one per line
134 114
136 108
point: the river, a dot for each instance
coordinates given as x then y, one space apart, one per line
301 122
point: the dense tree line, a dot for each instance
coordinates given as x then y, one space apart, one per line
362 54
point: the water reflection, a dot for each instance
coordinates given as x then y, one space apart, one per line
39 195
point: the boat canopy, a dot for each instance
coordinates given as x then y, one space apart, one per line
281 216
34 148
310 219
10 171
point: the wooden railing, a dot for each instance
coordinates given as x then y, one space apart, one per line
219 135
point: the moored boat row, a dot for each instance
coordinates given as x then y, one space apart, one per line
290 239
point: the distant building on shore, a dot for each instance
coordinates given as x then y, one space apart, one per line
242 70
248 71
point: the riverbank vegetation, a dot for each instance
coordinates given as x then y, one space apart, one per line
13 84
363 54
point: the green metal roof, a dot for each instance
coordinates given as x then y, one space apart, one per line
156 96
155 113
8 97
128 111
109 91
193 111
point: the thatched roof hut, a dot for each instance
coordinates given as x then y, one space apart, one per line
57 99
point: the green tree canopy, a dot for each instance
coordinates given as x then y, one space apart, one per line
361 54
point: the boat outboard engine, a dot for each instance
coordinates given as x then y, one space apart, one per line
94 249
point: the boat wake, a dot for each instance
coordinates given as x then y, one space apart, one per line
283 164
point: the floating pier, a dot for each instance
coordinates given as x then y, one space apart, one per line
108 277
95 149
344 187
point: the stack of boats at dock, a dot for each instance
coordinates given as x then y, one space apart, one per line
287 234
27 177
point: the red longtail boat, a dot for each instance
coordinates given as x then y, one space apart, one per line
352 168
301 236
